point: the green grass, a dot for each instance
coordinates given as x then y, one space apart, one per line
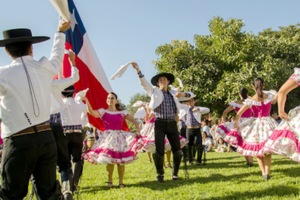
226 176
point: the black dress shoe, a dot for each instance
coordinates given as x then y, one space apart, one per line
250 164
160 179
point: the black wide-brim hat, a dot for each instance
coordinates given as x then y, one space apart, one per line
20 35
69 91
169 76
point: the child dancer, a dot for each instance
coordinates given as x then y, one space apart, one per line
117 146
223 129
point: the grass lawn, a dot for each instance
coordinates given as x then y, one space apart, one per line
226 176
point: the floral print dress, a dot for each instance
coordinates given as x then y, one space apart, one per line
116 145
254 132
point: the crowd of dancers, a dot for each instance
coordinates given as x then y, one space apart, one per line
37 139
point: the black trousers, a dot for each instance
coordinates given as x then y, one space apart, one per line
166 128
25 155
184 149
63 160
75 144
169 129
194 135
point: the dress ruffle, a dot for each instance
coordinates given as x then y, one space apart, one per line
285 139
148 136
252 136
115 147
223 129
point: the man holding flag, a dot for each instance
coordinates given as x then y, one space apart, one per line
29 145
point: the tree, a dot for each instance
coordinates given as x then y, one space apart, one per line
228 59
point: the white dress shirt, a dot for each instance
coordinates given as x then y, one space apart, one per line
73 112
197 114
58 85
16 105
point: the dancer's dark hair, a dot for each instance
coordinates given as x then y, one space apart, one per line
258 84
217 121
244 93
18 49
118 106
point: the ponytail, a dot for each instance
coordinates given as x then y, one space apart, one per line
258 84
118 107
244 93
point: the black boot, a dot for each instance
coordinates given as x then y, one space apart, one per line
159 164
66 180
57 194
199 154
190 154
2 196
184 151
77 167
176 164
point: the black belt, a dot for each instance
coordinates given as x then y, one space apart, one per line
165 120
33 129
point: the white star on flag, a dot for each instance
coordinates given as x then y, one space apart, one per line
73 20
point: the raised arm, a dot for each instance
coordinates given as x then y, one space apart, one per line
148 116
288 86
58 49
92 112
143 82
226 111
239 114
66 82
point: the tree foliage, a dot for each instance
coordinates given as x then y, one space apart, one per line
219 64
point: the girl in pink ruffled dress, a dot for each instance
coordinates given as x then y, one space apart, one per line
284 140
223 130
252 134
116 146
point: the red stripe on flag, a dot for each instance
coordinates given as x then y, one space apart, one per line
97 95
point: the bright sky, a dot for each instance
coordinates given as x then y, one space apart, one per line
131 30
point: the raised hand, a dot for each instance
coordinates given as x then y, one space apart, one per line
135 66
64 26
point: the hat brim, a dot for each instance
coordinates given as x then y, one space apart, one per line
169 76
36 39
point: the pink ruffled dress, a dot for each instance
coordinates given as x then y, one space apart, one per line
284 140
223 129
116 145
148 135
254 132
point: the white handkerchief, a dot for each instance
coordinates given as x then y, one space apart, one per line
120 71
138 104
79 95
140 113
180 82
61 7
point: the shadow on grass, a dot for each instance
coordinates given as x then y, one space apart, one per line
273 192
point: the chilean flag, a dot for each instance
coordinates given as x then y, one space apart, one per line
91 72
